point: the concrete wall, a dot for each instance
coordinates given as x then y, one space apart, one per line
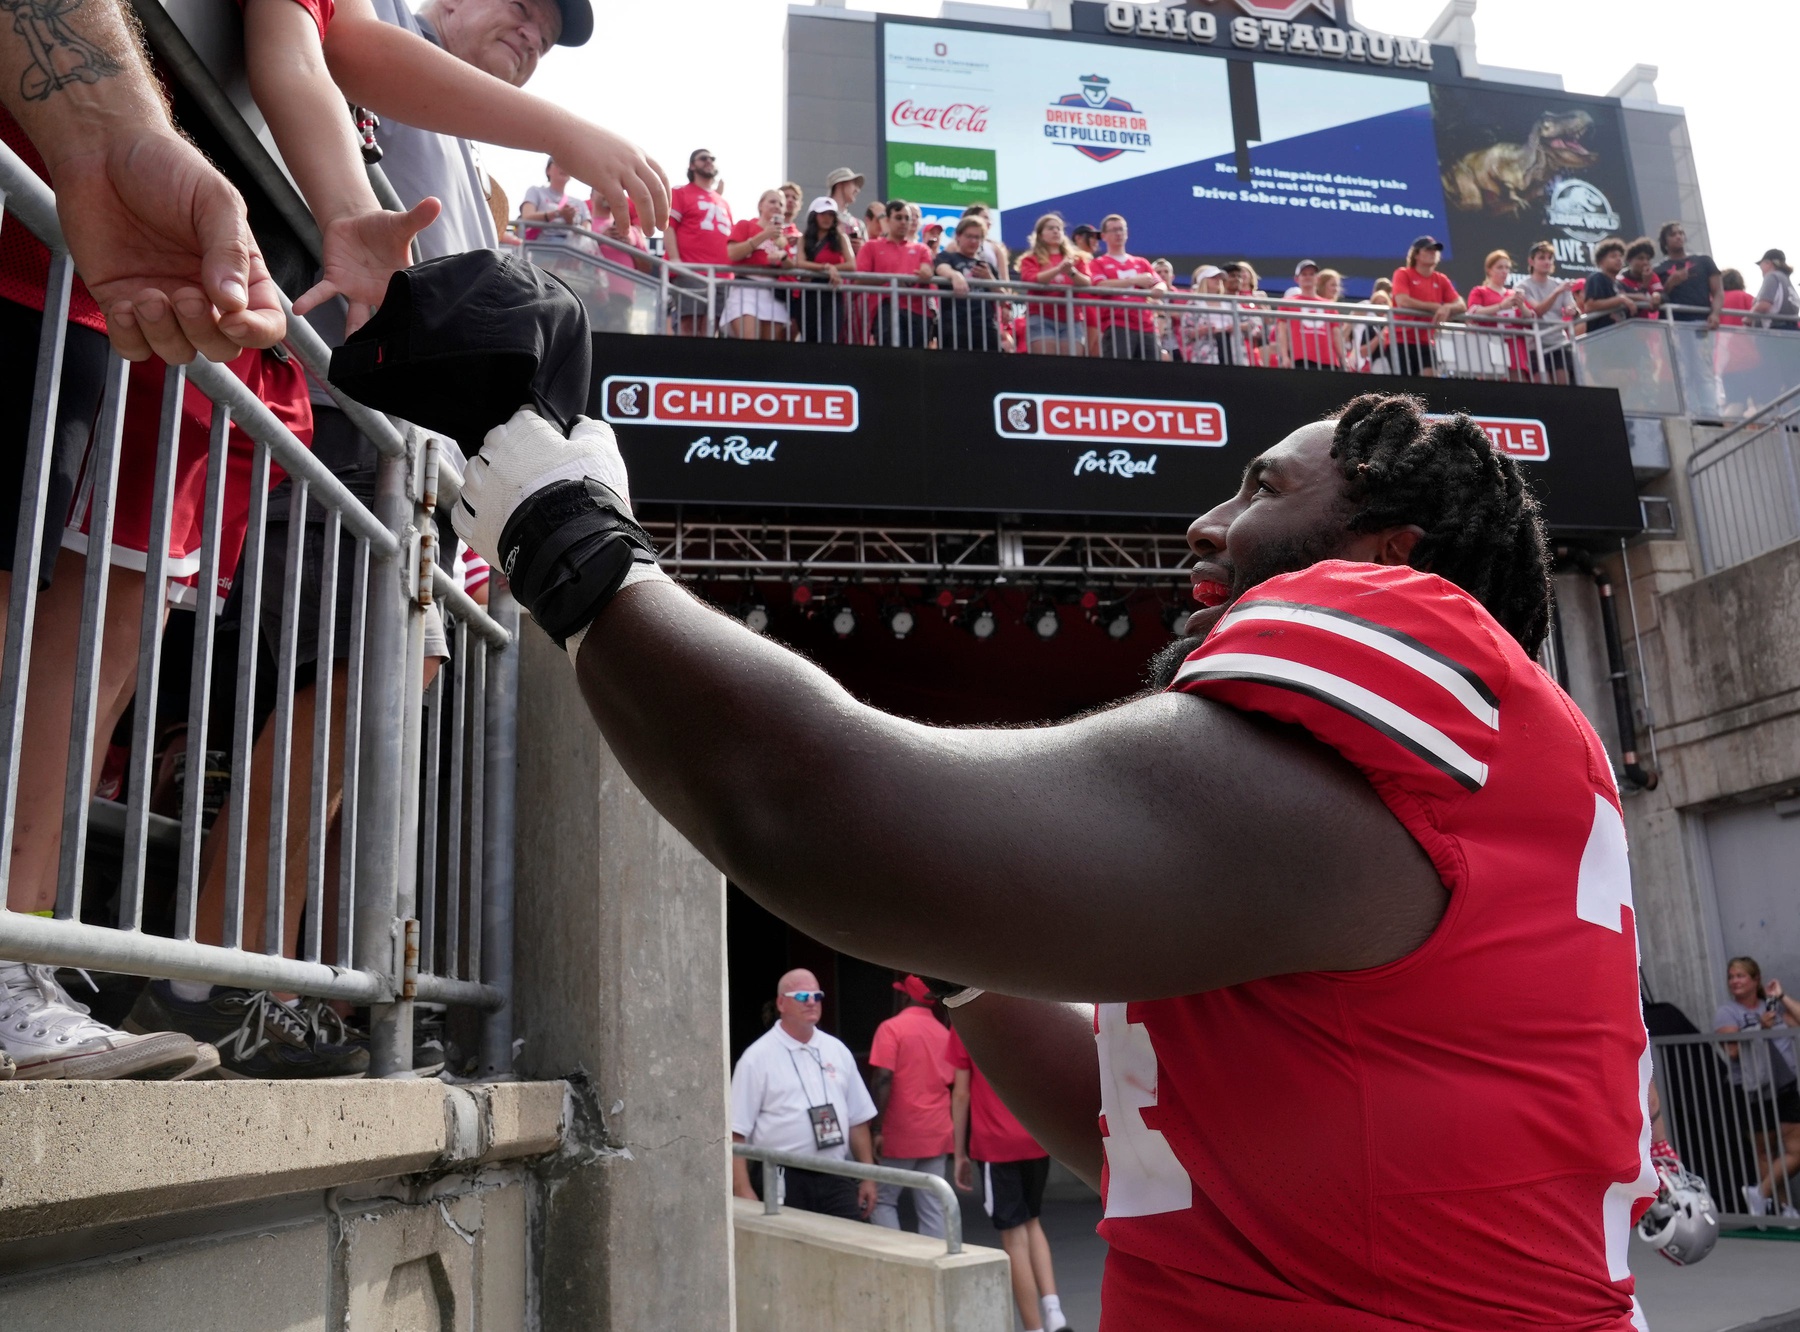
832 119
620 975
270 1206
1662 168
800 1272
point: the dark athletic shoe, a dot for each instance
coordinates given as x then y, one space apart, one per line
257 1035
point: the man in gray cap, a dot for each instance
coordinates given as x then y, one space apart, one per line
843 185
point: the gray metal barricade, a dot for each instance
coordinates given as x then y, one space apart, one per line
1724 1099
1744 484
935 1185
397 935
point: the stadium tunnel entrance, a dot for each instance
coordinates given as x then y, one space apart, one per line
948 669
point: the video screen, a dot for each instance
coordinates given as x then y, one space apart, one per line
1211 159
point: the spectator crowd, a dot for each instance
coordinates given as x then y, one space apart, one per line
824 274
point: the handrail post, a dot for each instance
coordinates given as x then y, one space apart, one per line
497 829
386 853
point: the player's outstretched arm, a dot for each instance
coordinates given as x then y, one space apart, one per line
1165 846
1040 1057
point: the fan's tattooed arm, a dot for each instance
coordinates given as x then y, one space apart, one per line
56 54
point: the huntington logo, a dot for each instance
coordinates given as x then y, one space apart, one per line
648 400
1517 437
942 174
1095 123
1057 416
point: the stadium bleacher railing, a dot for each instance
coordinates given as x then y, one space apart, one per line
423 887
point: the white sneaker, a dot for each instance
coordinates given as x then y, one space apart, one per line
7 1067
1754 1202
1790 1211
49 1035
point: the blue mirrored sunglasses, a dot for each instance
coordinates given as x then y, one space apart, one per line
805 996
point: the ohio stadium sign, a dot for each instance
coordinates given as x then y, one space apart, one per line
1269 25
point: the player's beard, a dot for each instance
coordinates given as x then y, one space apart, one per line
1289 555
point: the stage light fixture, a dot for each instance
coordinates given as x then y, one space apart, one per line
980 621
843 621
803 595
944 599
900 620
1177 618
1043 620
1090 600
1117 620
755 617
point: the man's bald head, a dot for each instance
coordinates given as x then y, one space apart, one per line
799 1019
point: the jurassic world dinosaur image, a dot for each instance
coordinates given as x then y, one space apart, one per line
1505 178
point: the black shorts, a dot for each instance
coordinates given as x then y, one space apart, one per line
1012 1192
1412 358
77 404
1756 1107
1129 344
1557 358
829 1195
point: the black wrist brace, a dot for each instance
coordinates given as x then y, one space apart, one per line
566 549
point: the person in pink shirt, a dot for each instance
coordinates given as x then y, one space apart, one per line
1014 1170
910 325
911 1077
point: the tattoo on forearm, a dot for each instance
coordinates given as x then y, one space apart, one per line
58 55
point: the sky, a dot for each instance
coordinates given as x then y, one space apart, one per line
673 77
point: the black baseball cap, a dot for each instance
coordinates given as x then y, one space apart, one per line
1773 257
1427 243
1084 230
461 343
578 22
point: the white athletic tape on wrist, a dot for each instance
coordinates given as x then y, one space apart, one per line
641 572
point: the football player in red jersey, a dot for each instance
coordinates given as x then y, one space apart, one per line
1329 891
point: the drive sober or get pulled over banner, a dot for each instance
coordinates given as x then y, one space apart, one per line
718 421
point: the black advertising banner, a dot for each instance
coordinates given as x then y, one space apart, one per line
1521 167
724 422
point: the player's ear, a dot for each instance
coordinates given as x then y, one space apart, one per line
1397 544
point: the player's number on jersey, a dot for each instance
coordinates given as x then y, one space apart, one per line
712 219
1143 1175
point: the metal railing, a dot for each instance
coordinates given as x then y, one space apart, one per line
410 793
1722 1098
1745 485
1679 367
775 1162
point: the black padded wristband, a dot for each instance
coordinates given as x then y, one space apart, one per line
566 549
942 989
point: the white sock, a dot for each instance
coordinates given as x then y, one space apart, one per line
193 991
1053 1314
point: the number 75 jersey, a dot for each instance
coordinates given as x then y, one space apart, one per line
1455 1140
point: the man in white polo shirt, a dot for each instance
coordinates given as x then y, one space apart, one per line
796 1089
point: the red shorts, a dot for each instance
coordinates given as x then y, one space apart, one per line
279 383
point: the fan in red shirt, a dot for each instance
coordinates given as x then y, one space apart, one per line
1309 343
1423 298
1127 333
1353 896
1496 303
699 230
1054 328
899 321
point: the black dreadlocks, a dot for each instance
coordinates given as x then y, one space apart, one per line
1483 530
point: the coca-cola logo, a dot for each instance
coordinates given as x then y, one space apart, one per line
957 118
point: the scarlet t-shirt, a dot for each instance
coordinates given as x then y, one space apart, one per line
892 256
701 221
915 1047
1482 296
1737 300
24 260
1029 268
994 1134
1107 267
1311 339
759 257
1353 1151
1435 287
321 11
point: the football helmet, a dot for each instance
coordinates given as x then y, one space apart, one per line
1682 1223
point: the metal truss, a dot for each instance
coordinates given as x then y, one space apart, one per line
1002 553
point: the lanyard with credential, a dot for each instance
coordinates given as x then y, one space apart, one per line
827 1130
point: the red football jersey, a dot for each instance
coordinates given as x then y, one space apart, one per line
701 221
1455 1140
1109 268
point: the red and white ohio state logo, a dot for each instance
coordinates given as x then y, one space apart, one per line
1286 9
1109 420
744 403
1520 437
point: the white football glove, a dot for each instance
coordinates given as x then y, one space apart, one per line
522 457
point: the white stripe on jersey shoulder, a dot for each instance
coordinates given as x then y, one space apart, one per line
1457 680
1393 721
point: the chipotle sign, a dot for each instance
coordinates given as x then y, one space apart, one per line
743 403
1521 437
1061 416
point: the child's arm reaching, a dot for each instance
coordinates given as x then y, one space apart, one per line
364 244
